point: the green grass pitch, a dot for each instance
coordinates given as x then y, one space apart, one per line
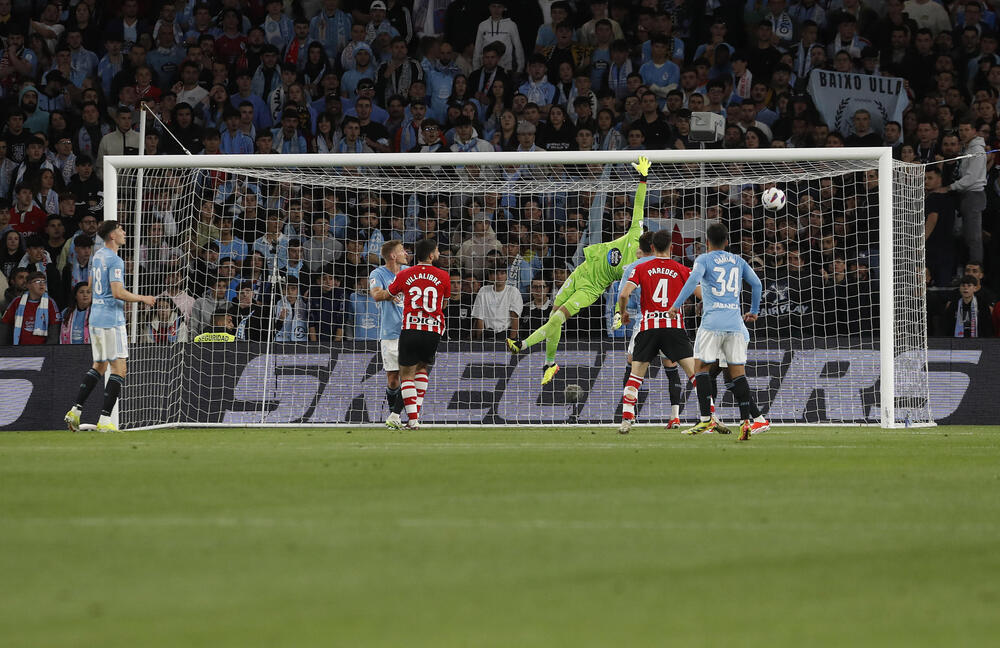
492 537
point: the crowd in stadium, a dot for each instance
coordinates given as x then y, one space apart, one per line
356 76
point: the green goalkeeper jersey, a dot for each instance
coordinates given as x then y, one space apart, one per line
606 261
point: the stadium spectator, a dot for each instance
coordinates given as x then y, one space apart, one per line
77 267
970 186
497 308
204 309
32 318
497 29
539 306
37 259
75 328
166 324
971 317
327 309
25 215
11 252
121 141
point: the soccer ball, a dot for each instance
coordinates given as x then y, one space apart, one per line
773 198
573 393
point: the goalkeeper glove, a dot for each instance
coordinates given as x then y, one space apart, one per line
617 324
642 166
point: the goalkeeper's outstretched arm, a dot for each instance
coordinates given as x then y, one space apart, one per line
639 205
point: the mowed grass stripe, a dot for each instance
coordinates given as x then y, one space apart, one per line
491 537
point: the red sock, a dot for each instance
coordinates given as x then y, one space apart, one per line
630 396
420 383
410 400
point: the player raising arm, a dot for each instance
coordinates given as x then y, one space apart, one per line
660 279
108 337
602 266
722 334
425 288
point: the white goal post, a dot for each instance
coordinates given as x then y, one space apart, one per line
886 333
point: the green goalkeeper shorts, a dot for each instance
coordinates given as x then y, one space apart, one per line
578 292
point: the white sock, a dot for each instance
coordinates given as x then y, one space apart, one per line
675 411
104 419
760 419
77 410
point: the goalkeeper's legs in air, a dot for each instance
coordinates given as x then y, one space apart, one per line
576 294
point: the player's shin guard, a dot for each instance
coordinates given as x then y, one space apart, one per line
111 393
674 385
395 400
741 390
90 380
420 384
630 396
410 399
704 384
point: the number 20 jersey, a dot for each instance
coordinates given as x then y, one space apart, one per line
424 289
660 280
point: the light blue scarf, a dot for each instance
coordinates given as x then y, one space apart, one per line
41 317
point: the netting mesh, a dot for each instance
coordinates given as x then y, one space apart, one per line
280 258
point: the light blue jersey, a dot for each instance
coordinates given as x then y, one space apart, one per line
662 75
626 273
106 267
721 275
633 305
391 310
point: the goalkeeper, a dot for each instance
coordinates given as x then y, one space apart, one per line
603 265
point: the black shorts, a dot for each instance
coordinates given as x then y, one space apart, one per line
674 343
416 347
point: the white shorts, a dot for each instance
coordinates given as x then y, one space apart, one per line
390 354
109 344
715 346
631 342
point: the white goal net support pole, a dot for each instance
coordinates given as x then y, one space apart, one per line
842 337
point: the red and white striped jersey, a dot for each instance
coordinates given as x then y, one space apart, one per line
424 288
660 280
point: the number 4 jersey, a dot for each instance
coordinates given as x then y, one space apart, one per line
424 288
660 280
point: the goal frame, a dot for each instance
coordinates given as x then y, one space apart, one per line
882 155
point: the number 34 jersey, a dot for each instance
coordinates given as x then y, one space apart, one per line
660 280
425 289
722 275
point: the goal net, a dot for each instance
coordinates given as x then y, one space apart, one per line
276 252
